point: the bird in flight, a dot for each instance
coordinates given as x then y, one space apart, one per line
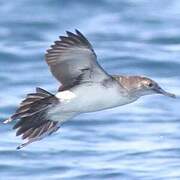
85 87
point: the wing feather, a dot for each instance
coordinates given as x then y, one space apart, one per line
68 58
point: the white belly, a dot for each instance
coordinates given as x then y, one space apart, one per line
91 97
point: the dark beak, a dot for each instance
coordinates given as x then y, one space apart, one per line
159 90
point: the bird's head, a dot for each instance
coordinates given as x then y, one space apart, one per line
140 86
147 86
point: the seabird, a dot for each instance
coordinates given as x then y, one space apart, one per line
85 87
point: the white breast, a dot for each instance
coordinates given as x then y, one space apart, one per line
91 97
88 98
96 97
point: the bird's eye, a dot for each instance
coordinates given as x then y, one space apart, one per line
150 84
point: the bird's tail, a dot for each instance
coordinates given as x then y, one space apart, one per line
33 121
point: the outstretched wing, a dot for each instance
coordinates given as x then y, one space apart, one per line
72 60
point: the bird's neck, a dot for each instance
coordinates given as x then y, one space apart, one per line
130 83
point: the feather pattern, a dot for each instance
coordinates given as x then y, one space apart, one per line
68 58
33 123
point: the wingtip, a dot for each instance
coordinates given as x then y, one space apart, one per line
7 120
77 31
21 146
18 148
68 33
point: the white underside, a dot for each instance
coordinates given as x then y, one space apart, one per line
88 98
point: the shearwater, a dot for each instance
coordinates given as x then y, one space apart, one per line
85 87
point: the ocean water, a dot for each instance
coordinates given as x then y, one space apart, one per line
140 141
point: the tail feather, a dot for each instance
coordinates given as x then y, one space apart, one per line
34 104
39 133
33 122
42 91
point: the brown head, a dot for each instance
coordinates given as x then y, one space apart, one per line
140 86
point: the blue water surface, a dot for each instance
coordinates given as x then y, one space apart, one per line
140 141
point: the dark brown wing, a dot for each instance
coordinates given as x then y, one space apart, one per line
72 59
